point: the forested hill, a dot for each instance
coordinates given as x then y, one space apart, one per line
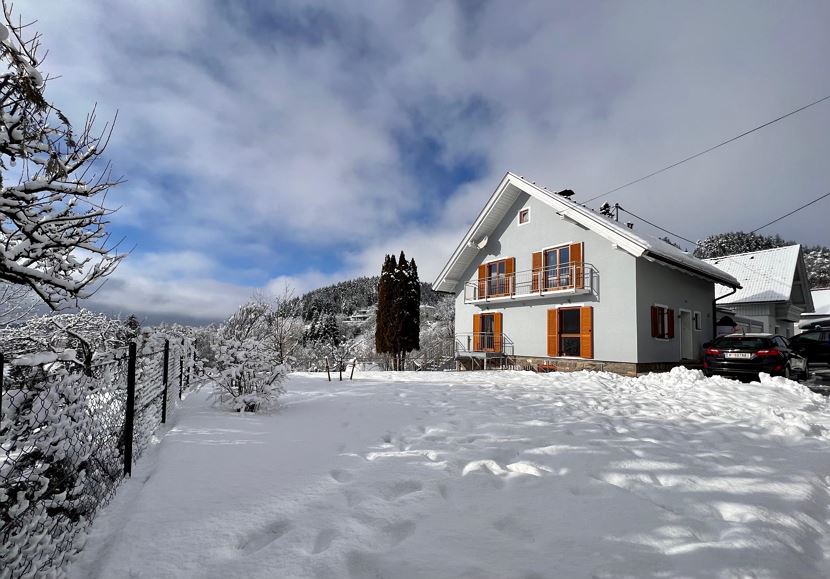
348 296
816 258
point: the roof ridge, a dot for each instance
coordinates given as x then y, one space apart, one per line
751 252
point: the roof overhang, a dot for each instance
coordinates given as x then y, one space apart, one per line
502 199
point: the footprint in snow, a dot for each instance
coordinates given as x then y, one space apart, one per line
323 540
397 533
341 476
400 489
261 539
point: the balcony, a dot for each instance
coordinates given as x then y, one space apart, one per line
483 345
566 279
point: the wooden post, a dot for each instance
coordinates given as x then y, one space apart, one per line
165 382
354 363
130 413
340 369
328 372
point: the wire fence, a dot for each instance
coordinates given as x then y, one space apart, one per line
68 436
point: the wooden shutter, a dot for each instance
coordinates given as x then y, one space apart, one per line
476 332
510 275
576 262
670 316
537 270
586 332
655 322
482 281
497 333
553 333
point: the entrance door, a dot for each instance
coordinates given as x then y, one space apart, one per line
687 345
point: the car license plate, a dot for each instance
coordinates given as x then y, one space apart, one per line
738 355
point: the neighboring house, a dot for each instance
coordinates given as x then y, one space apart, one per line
541 280
821 309
360 317
775 291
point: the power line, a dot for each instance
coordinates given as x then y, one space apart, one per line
721 144
817 199
620 207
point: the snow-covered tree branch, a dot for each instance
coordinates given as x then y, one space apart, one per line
52 182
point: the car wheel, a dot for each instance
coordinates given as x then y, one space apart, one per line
787 373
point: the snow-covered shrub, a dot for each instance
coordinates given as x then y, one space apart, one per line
246 375
246 366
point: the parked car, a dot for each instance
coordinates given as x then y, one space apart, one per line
813 345
745 355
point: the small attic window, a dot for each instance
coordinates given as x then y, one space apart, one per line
524 216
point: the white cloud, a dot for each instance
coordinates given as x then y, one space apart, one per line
240 133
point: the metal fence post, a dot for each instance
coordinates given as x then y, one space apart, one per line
164 394
130 413
181 370
2 371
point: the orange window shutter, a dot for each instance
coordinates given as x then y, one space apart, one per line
670 315
655 321
553 333
510 274
586 332
476 332
497 332
537 271
482 281
577 269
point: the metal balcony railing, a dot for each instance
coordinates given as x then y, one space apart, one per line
483 342
576 277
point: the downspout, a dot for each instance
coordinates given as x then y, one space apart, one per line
715 311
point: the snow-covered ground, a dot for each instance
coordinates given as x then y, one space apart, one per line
486 474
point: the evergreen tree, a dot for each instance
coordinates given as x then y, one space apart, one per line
398 316
385 311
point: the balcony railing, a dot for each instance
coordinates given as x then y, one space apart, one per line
569 278
483 342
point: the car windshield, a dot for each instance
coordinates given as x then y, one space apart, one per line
743 343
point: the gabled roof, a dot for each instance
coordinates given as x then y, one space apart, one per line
636 244
821 301
768 275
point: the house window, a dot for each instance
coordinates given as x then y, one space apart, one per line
557 267
570 332
662 322
524 216
697 321
496 278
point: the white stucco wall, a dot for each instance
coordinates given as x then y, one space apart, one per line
658 284
525 321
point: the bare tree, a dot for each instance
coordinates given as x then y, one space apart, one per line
52 182
285 322
17 303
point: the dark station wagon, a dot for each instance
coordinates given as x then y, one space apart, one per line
745 355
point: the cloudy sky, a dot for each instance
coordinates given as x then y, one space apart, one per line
274 141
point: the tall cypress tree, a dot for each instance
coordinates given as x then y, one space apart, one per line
385 312
414 333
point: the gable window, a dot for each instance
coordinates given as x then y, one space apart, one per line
524 216
662 322
571 332
496 278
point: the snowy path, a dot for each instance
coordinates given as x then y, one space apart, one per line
498 474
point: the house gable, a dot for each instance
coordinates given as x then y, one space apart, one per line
502 202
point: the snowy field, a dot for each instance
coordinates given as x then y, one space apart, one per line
486 474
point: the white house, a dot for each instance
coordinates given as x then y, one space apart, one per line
541 280
774 290
821 309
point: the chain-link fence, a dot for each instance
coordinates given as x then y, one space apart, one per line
68 436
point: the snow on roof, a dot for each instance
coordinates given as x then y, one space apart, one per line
766 275
637 244
821 301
